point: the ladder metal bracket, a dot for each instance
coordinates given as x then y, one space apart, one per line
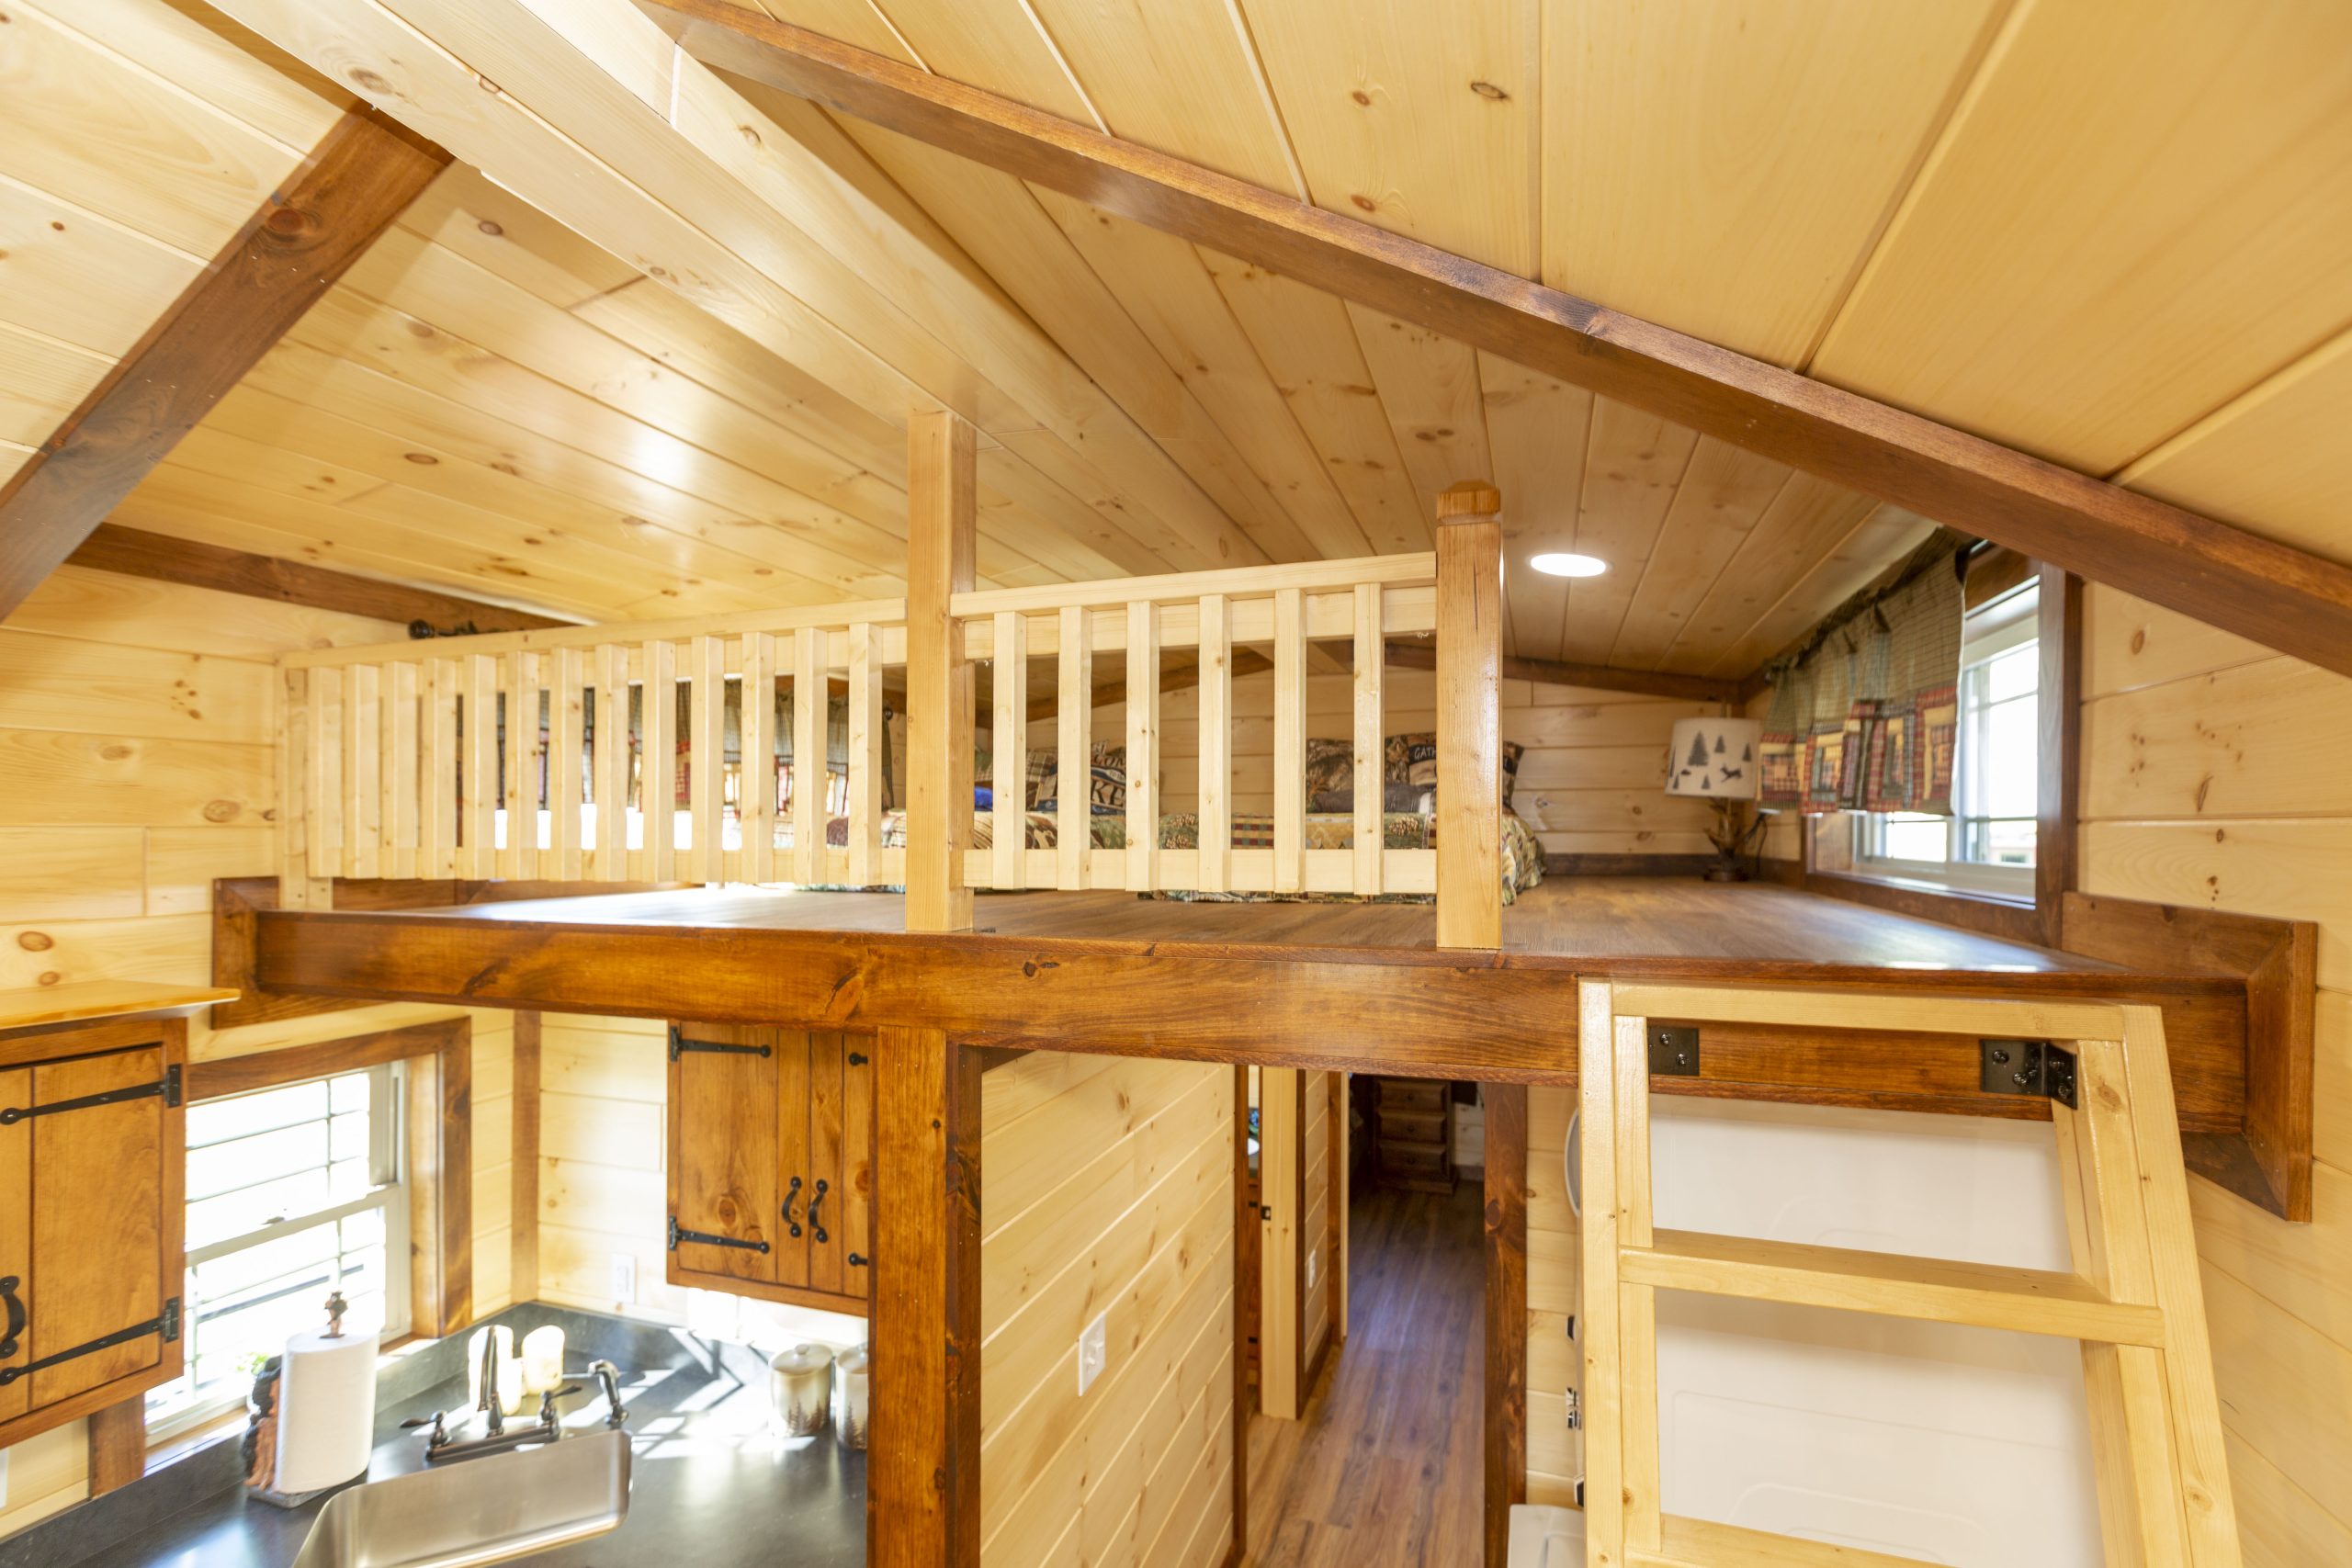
1674 1050
2027 1067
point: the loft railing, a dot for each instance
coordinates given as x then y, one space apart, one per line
551 756
1137 620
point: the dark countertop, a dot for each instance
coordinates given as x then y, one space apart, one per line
711 1486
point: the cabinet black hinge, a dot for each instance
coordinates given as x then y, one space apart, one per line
704 1238
171 1321
679 1044
167 1326
2027 1067
172 1090
166 1086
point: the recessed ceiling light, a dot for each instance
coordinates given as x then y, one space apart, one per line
1559 563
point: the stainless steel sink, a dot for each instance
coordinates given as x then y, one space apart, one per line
483 1510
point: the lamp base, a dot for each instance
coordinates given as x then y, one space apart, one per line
1725 871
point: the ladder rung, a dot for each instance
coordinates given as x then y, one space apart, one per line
2025 1301
1702 1543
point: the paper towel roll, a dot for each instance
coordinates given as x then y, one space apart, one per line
326 1411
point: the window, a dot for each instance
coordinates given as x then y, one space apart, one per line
1986 845
292 1191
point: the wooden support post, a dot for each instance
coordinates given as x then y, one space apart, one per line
942 502
441 1163
1506 1402
118 1439
523 1190
922 1494
1469 716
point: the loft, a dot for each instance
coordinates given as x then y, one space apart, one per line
995 893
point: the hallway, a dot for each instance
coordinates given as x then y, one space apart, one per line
1384 1470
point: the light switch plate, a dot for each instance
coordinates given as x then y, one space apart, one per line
624 1279
1093 1351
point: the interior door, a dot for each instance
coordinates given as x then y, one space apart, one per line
723 1140
97 1240
857 1180
16 1241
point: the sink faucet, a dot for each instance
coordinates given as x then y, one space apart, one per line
493 1397
609 1375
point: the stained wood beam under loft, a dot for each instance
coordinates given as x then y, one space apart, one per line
2285 598
131 552
363 172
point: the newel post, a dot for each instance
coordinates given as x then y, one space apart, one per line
1469 717
942 500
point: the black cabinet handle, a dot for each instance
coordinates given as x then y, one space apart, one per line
17 1315
792 1196
857 1260
813 1204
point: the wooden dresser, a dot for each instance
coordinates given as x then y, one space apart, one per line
1414 1133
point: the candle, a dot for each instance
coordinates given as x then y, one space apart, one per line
800 1385
543 1359
849 1397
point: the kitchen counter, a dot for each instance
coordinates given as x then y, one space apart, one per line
711 1486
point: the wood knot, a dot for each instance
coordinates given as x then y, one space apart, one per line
1489 92
1365 202
223 810
1362 96
422 459
50 977
2139 640
367 81
292 223
36 941
491 227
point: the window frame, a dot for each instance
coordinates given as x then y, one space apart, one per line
391 1177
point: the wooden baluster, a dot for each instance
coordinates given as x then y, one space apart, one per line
436 804
706 858
1289 740
519 859
865 725
296 823
807 756
1008 855
942 502
323 793
612 763
1143 745
658 762
1073 758
755 784
1469 716
1216 744
567 723
477 827
401 785
1364 772
363 759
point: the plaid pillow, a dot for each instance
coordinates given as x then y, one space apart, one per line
1330 765
1410 758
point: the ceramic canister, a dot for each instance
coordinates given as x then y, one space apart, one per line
800 1383
849 1398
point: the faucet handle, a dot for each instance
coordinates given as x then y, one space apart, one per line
440 1433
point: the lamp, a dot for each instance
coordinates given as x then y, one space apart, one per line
1716 760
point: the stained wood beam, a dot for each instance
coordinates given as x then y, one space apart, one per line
1597 677
363 172
130 552
2284 598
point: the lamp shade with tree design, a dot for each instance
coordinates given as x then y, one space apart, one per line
1714 759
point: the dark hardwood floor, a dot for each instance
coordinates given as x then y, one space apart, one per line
1383 1469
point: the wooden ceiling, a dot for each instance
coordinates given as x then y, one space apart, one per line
2125 248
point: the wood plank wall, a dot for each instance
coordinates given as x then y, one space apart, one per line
2214 774
1553 1455
1316 1157
1107 1188
137 721
1594 773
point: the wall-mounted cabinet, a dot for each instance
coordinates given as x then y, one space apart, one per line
771 1160
91 1161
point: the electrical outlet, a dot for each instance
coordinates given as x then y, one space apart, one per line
624 1279
1314 1261
1093 1351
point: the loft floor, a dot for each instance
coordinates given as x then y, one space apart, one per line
1575 917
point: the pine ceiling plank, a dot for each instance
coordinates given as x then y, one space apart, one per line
41 380
1805 522
1885 534
996 221
2275 458
1724 168
1166 288
1429 389
2131 220
1537 429
990 41
1082 544
195 51
1422 122
80 279
1635 463
81 122
1722 498
500 233
1309 347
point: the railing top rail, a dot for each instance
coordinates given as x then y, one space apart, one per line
884 612
1253 581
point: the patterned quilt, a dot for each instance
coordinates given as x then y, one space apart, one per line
1522 855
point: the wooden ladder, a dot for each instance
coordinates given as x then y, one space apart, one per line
2133 1297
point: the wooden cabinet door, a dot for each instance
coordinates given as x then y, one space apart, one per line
16 1242
857 1177
827 1162
794 1177
723 1162
98 1221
